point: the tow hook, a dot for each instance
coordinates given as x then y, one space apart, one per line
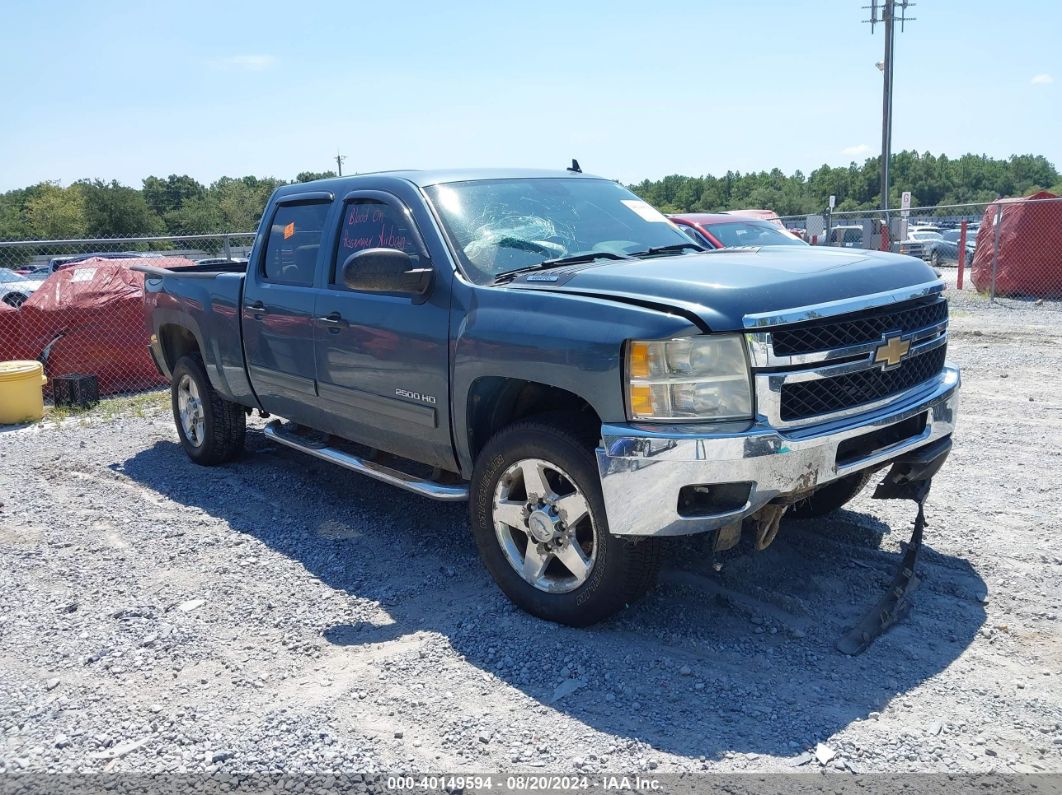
909 479
768 519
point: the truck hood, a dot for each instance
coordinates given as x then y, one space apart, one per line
721 287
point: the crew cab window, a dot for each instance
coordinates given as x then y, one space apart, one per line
368 223
294 240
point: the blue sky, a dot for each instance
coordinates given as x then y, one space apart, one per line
635 90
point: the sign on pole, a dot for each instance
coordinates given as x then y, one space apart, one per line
833 201
905 204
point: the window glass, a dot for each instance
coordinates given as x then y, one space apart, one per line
753 233
696 236
294 240
368 223
504 225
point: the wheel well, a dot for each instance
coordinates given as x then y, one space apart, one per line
176 341
495 402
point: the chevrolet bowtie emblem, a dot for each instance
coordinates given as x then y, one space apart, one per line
891 353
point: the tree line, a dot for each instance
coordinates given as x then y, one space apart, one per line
180 205
933 180
173 205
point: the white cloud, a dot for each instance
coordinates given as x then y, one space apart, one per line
1042 80
858 149
250 63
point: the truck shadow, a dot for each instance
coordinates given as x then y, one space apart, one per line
740 660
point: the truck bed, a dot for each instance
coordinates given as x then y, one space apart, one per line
205 301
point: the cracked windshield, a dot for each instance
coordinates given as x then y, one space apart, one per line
500 226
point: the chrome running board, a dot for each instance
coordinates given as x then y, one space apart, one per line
393 477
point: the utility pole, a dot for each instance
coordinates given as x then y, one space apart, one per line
887 12
339 163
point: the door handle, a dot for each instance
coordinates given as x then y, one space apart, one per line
259 310
335 321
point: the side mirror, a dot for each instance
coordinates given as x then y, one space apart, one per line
386 270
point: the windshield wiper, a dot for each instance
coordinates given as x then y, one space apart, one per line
575 259
667 249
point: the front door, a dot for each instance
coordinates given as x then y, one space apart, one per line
278 308
382 360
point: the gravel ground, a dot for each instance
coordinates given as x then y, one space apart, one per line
279 614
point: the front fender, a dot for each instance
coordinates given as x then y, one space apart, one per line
571 342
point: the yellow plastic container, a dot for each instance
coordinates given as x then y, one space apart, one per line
21 392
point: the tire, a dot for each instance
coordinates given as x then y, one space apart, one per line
830 497
934 259
15 299
215 429
609 572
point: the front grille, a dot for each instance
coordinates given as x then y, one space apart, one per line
805 399
869 326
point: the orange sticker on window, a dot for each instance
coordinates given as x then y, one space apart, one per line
289 230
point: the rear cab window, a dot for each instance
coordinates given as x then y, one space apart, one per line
294 241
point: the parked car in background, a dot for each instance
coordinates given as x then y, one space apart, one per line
847 237
920 239
912 248
946 251
953 234
762 215
212 261
15 288
56 263
727 230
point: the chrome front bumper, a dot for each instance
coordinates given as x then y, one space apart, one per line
643 468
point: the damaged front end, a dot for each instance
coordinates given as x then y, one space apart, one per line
909 478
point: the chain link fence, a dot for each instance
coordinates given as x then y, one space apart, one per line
77 307
1011 249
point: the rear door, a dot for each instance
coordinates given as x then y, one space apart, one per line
278 307
382 360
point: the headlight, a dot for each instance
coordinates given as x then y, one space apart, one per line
696 378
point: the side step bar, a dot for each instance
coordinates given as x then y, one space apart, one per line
425 488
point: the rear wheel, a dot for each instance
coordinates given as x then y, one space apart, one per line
15 299
830 497
212 429
538 518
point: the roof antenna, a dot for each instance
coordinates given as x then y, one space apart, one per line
575 166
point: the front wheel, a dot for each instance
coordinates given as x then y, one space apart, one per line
212 430
538 518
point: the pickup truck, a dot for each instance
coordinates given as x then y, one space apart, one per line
550 348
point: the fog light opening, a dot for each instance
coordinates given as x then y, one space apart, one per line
706 499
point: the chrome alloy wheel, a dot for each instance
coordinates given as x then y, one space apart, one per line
190 408
544 526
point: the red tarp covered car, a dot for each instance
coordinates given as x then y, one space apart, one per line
1030 248
89 319
10 338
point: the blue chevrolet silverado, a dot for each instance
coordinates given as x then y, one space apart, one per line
552 349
